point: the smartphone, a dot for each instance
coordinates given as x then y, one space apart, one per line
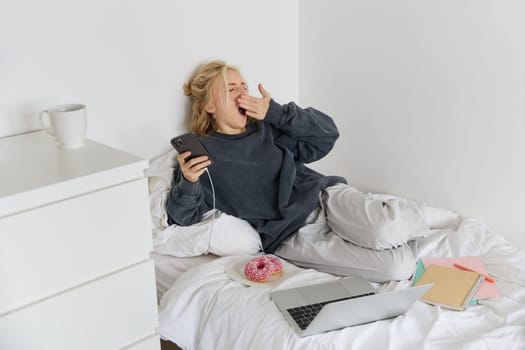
190 142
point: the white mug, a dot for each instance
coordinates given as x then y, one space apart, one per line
67 124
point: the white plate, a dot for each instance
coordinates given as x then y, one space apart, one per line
235 270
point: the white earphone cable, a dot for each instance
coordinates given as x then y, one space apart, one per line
213 212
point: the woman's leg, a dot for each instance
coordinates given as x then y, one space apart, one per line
316 246
373 220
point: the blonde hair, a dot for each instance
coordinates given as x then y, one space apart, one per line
200 89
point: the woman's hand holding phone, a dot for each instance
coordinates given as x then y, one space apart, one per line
193 157
192 168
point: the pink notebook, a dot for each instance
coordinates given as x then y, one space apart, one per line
487 289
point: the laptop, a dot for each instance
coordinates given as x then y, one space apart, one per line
346 302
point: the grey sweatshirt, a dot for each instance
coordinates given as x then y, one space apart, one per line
260 175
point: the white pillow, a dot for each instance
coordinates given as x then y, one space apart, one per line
217 233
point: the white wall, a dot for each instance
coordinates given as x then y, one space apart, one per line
429 97
127 60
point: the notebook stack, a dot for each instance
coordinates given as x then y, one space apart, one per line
453 288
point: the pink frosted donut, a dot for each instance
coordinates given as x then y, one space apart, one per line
277 265
258 269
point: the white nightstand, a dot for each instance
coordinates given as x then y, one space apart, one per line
75 239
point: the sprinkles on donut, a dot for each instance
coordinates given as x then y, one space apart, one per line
277 264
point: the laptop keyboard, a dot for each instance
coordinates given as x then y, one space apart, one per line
304 315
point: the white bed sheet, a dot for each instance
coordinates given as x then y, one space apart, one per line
205 309
169 268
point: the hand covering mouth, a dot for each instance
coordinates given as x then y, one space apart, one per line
242 111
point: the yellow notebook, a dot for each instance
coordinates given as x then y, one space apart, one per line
452 289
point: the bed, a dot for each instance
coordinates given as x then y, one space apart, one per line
202 307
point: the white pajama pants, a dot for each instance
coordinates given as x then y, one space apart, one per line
358 234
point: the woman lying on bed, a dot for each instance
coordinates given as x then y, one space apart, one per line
259 150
